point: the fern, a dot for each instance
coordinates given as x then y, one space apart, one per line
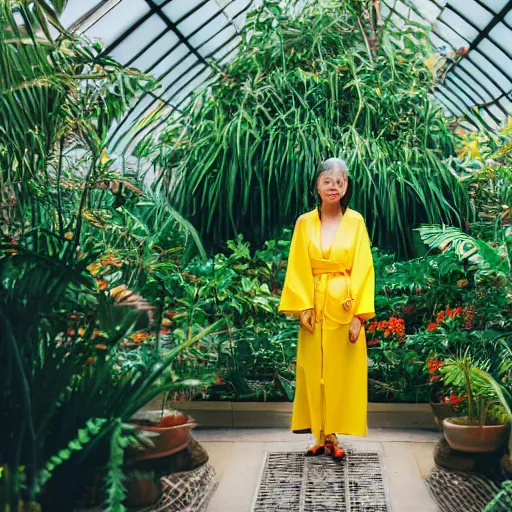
121 438
92 428
502 502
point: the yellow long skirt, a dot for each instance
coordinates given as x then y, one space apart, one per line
331 394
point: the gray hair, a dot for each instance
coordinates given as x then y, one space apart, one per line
334 164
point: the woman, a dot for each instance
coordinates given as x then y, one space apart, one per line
330 285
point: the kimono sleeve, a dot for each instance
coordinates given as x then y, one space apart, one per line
298 290
363 274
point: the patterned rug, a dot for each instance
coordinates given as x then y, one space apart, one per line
291 482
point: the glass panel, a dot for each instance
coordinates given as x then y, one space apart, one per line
495 5
74 10
497 56
479 77
195 85
185 59
118 21
459 25
502 35
469 85
429 10
219 54
177 9
508 18
450 106
190 24
474 13
491 71
447 33
184 68
148 59
138 39
209 44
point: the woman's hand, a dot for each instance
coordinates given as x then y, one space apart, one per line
307 320
354 329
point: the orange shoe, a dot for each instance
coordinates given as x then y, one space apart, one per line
317 449
332 447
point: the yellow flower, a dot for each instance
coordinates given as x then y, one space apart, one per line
81 331
104 157
68 235
378 91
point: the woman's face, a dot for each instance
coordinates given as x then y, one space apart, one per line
331 186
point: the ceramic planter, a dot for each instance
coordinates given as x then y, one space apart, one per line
473 438
441 411
169 436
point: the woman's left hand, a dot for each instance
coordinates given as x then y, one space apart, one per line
354 329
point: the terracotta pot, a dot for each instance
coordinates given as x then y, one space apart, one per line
172 436
441 411
475 439
141 492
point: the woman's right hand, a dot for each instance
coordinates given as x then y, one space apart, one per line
307 320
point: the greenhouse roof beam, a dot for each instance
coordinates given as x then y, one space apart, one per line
485 33
468 56
187 70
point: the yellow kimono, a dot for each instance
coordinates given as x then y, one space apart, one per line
331 394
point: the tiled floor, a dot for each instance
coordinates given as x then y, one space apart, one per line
237 456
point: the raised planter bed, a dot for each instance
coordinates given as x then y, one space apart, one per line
278 414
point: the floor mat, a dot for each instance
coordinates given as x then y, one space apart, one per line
291 482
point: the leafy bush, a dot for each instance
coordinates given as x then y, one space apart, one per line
293 97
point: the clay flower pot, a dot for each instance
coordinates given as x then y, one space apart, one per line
170 435
441 411
473 438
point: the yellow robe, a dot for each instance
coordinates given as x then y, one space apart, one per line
331 394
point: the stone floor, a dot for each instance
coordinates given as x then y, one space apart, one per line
237 456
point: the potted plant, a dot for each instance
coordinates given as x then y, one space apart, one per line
485 427
162 434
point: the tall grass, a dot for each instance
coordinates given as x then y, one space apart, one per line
327 82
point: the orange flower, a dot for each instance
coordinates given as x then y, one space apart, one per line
139 337
81 331
461 283
432 326
101 346
372 327
434 378
102 284
90 361
440 317
70 332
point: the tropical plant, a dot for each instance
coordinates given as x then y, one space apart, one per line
481 390
242 155
40 422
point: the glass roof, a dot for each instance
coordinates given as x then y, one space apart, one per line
184 43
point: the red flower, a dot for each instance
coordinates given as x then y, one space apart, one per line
373 343
468 325
165 331
440 317
456 400
372 327
459 310
434 365
432 326
434 378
